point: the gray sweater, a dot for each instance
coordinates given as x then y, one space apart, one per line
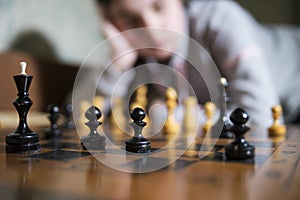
261 63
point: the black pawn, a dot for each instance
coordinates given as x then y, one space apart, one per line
68 112
22 140
239 149
138 144
53 131
93 141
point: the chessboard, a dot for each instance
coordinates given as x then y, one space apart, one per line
62 169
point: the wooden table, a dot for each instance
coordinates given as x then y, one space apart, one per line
62 170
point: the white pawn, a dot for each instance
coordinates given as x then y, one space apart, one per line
118 120
171 126
190 119
277 129
210 109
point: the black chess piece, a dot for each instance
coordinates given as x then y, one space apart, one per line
239 149
22 140
53 131
138 144
93 141
226 133
67 112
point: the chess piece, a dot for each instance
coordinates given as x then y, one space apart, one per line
117 118
277 129
190 120
138 144
83 105
141 102
53 116
22 140
225 131
99 102
140 98
209 108
93 141
171 126
68 112
239 149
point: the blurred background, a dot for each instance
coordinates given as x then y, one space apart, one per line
54 35
67 30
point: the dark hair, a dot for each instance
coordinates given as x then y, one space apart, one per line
104 2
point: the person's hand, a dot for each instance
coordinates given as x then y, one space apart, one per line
123 54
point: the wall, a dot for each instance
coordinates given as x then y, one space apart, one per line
68 30
274 11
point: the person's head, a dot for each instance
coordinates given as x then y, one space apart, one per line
161 14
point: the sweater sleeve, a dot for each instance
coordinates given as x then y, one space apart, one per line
232 37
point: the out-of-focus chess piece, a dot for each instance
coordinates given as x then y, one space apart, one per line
140 98
53 117
99 102
93 141
171 126
117 118
277 129
84 105
190 119
210 109
225 131
68 115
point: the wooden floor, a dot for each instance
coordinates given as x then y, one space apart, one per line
62 170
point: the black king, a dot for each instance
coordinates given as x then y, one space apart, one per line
22 140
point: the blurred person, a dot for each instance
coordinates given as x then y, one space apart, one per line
261 63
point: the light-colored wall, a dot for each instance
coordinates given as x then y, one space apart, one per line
67 30
64 30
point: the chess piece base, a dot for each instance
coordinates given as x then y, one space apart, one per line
239 151
278 130
70 125
22 144
138 145
93 142
53 133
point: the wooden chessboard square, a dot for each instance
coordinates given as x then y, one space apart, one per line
209 147
60 155
263 144
259 159
57 144
150 163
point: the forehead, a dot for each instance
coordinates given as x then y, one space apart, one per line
138 6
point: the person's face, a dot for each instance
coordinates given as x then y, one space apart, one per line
158 14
